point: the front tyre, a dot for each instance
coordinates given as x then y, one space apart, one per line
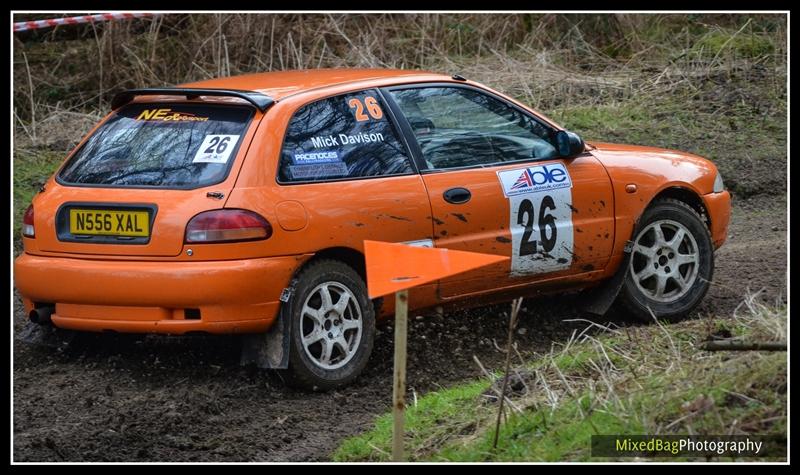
332 326
671 264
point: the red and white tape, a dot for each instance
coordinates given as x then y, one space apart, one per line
75 20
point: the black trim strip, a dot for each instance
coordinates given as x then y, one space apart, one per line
401 122
399 128
259 100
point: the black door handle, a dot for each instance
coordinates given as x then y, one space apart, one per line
457 196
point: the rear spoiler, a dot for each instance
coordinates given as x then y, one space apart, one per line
259 100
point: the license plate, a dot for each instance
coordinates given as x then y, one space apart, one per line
106 222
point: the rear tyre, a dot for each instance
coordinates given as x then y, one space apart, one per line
332 326
671 264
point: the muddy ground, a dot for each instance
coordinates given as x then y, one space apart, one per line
116 398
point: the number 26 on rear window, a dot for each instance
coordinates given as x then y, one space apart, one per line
215 149
371 106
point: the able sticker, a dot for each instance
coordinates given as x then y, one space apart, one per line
540 218
551 176
216 149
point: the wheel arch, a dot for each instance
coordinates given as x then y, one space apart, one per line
346 255
685 195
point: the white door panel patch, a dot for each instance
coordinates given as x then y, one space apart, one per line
540 218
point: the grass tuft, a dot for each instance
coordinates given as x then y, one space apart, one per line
32 168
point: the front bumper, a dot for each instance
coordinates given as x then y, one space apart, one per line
719 211
240 296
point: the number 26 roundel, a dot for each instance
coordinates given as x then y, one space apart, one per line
540 217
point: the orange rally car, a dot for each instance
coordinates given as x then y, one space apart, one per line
240 205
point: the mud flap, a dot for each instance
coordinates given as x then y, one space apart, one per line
597 301
268 350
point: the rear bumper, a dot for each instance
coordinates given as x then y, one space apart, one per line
239 296
719 210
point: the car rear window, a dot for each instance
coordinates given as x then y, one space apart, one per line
162 146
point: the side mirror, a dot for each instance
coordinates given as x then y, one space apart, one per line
569 143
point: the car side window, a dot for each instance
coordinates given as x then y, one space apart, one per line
346 136
460 127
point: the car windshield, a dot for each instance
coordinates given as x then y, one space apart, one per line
162 146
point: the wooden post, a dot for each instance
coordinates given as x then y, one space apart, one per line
399 391
393 268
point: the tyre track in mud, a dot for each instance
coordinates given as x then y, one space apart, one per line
118 398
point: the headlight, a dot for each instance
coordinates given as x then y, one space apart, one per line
718 185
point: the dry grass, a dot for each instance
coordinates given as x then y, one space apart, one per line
549 61
632 354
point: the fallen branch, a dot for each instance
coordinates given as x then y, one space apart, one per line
736 346
515 305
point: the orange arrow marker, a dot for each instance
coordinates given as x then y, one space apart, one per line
394 266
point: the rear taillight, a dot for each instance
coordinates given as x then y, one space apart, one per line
227 225
27 223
